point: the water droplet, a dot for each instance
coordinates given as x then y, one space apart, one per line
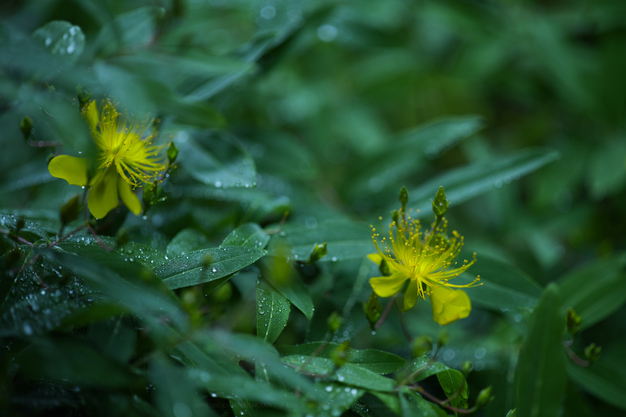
27 329
48 41
329 388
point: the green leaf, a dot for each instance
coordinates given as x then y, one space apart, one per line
185 241
423 367
176 393
414 405
203 166
285 279
206 265
454 385
248 235
144 298
595 290
131 29
374 360
433 138
66 358
503 285
345 240
272 312
337 399
540 375
349 374
410 151
464 183
129 260
61 38
254 350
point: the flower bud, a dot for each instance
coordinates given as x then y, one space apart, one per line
440 203
172 153
484 398
403 197
318 252
341 354
466 368
83 96
372 309
573 322
334 322
384 268
592 352
26 126
421 345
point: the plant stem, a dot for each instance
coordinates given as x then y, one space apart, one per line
386 312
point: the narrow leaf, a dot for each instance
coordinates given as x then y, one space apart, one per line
540 376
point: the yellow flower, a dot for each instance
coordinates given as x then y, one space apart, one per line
126 160
427 261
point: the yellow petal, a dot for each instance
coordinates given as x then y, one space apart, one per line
91 114
374 257
103 193
128 197
388 286
449 305
70 168
411 296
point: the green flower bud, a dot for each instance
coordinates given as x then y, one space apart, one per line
466 368
384 268
83 96
403 197
334 322
395 216
372 309
592 352
318 252
440 203
172 153
421 345
26 126
484 398
341 354
573 322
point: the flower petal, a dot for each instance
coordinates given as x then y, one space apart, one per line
91 115
128 197
103 193
70 168
388 286
411 296
449 305
374 257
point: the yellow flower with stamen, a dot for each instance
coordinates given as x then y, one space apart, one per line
127 158
427 261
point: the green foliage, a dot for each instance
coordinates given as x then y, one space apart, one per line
286 130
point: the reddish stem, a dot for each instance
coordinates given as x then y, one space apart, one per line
443 403
573 356
385 313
